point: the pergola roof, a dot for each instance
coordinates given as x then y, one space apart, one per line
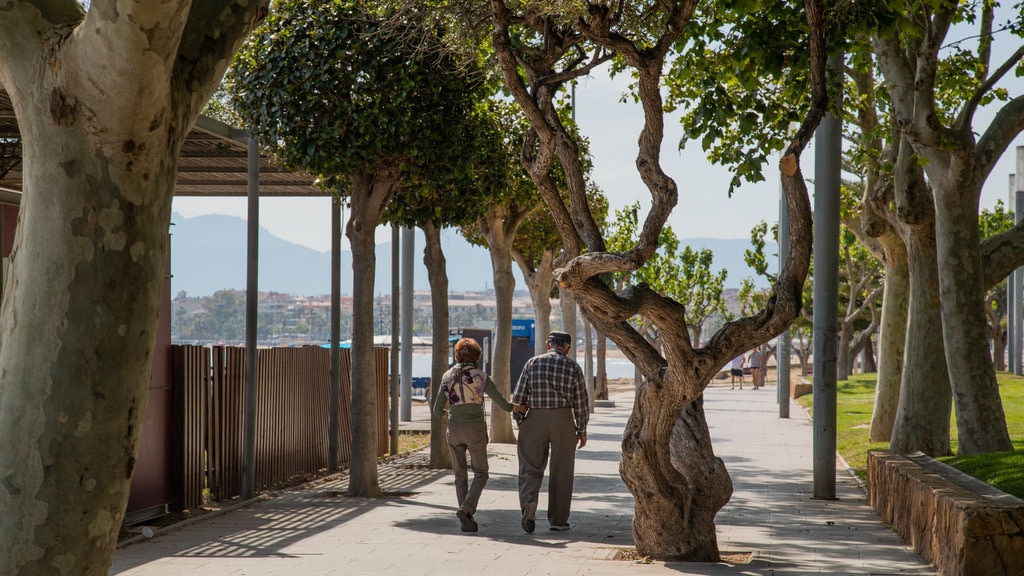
213 162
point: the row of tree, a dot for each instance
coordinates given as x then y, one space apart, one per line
454 113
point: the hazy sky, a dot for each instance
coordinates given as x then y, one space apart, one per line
704 208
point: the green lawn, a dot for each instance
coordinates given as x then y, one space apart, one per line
1004 470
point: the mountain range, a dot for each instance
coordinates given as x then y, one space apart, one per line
208 253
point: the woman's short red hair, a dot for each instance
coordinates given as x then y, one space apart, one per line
467 350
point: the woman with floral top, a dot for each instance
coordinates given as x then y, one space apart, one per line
462 391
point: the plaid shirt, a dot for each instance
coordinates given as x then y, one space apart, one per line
553 380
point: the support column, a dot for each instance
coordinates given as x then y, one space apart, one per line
251 333
1017 278
827 182
393 380
782 347
408 248
334 412
1013 312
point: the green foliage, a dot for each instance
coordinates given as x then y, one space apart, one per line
331 90
995 221
455 190
221 318
503 181
739 78
755 256
684 275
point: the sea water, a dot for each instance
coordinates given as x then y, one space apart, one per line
616 367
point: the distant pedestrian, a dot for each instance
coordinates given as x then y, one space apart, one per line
737 371
552 389
756 366
462 391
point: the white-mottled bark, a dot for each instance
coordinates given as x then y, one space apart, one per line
892 337
370 195
434 260
539 278
499 227
104 101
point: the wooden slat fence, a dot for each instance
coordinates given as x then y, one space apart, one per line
292 430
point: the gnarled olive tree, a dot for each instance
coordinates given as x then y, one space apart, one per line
668 462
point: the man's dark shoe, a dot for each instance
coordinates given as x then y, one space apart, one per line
529 511
559 527
466 521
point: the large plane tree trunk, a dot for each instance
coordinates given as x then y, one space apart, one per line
981 422
434 260
104 103
369 196
892 337
499 228
922 418
957 163
539 281
78 332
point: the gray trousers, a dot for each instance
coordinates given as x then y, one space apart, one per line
470 438
543 433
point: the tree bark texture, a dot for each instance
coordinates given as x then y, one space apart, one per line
957 164
602 366
981 422
892 337
922 418
539 281
436 264
499 245
997 332
104 103
370 194
667 457
567 305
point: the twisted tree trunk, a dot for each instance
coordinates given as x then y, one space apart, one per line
669 466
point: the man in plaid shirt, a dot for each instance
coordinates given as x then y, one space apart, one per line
552 388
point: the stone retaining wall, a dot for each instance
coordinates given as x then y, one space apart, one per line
958 523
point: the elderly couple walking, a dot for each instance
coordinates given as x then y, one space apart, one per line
550 403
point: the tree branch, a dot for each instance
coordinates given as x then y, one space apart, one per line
1000 255
966 116
1007 124
213 33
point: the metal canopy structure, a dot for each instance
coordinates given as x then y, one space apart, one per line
213 162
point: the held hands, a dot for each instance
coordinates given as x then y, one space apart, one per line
582 442
519 413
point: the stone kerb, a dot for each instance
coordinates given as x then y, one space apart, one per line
958 523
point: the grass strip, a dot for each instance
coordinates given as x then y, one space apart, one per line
855 402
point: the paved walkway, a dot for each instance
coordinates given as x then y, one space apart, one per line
771 517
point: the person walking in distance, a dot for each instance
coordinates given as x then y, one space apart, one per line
756 365
737 370
462 392
552 391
